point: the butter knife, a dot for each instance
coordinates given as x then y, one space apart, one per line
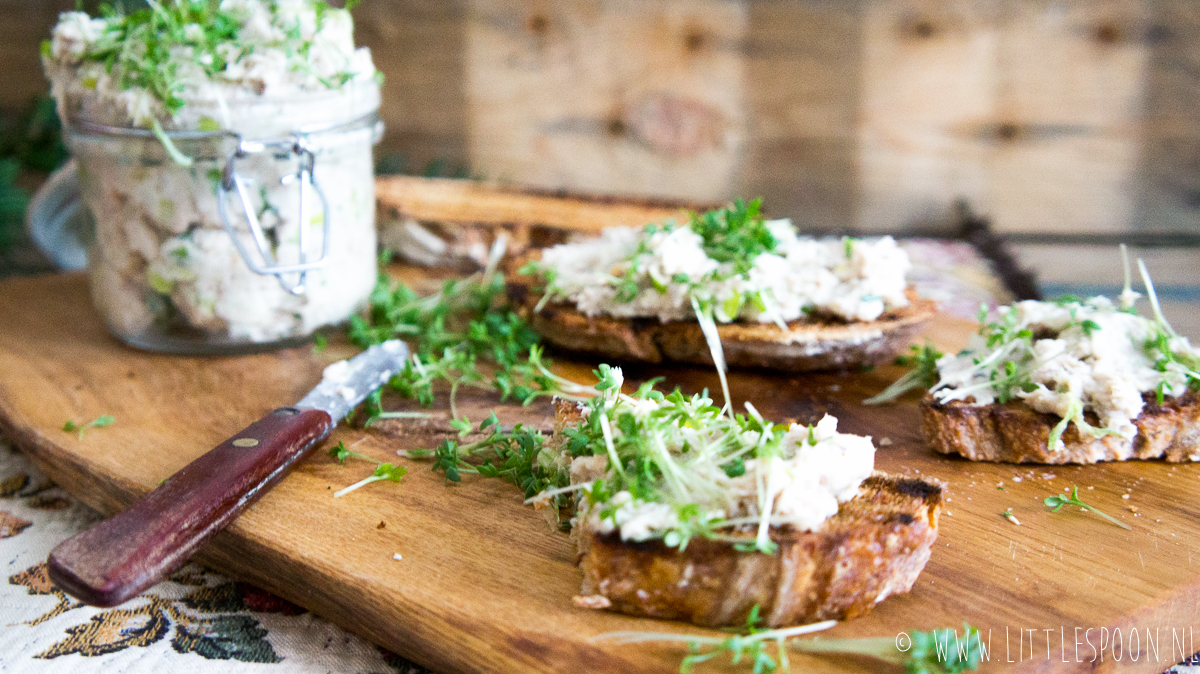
122 556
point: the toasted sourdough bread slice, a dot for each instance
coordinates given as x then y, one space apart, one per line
1015 433
875 546
808 344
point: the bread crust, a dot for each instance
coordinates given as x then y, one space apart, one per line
1016 433
875 546
813 343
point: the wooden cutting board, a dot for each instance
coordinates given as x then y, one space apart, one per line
484 585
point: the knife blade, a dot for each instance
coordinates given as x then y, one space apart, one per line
119 558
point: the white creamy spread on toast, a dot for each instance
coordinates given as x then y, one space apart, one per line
851 279
808 484
1069 358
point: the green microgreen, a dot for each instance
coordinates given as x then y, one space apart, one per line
923 373
664 448
514 455
924 652
99 422
383 471
341 453
465 335
156 49
1057 501
320 343
736 235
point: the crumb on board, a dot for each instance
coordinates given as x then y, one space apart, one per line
1125 496
594 601
1008 515
398 557
885 442
381 524
1016 478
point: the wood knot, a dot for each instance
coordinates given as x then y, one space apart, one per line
1107 33
1008 131
673 125
921 28
538 24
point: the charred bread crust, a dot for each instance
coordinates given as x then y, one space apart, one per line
874 547
814 343
1015 433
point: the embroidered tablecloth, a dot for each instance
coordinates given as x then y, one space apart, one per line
198 621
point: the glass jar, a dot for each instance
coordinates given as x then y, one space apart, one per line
249 232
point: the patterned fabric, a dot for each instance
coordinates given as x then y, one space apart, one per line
198 621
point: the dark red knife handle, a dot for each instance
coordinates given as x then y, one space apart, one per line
122 556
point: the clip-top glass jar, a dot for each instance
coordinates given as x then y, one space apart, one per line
249 232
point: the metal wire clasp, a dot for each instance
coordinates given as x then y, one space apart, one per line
265 263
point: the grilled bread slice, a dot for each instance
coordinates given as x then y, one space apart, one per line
874 547
814 343
1015 433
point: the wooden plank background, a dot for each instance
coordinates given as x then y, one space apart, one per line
1074 116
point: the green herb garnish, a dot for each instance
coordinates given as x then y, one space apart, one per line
1058 501
654 452
922 375
737 234
320 343
513 455
932 652
383 471
99 422
465 335
141 47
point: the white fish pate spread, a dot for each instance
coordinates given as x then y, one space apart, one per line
161 260
655 272
1072 357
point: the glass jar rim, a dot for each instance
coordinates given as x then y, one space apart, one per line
89 128
346 106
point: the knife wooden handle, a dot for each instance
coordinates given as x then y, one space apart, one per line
120 557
